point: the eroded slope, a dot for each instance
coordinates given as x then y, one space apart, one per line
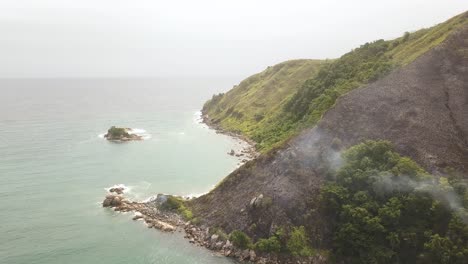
422 108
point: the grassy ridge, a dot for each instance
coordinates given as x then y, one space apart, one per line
243 108
423 40
272 106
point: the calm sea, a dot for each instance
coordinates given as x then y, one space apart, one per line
55 167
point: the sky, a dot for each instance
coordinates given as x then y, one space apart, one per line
151 38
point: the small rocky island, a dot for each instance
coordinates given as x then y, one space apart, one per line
121 134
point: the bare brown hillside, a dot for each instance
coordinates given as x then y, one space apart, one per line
422 108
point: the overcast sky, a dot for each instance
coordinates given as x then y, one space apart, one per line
104 38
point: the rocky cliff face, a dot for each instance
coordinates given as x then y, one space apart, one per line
422 108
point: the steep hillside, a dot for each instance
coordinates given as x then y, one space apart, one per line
420 107
243 108
317 94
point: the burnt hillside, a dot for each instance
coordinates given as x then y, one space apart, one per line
422 108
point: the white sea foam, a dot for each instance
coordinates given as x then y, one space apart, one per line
149 199
198 119
194 195
136 192
140 132
136 131
139 191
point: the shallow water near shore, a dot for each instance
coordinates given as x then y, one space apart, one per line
55 168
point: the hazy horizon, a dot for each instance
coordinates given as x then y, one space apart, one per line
152 39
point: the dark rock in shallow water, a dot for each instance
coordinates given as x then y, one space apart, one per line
106 203
117 190
116 201
112 201
121 134
136 217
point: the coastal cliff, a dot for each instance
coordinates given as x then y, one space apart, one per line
364 159
315 189
277 104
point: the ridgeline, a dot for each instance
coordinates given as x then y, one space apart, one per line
365 158
276 104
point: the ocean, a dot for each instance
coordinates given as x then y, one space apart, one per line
55 166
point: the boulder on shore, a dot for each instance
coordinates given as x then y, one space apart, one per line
163 226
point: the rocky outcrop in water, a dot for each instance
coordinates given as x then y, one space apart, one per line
121 134
112 201
150 212
117 190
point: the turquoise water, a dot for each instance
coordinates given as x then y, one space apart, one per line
54 167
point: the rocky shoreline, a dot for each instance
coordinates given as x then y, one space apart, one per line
154 214
150 212
156 217
247 153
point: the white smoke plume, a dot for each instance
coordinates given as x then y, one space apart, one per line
436 187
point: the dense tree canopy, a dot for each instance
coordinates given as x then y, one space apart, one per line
384 208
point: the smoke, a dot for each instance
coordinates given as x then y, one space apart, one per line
438 188
316 149
319 154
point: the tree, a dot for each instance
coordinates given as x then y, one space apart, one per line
379 216
298 243
439 248
240 239
406 36
271 244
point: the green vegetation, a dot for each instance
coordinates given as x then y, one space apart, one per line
243 108
117 132
274 105
218 231
268 245
381 207
174 203
412 45
384 208
298 243
294 242
240 239
196 221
